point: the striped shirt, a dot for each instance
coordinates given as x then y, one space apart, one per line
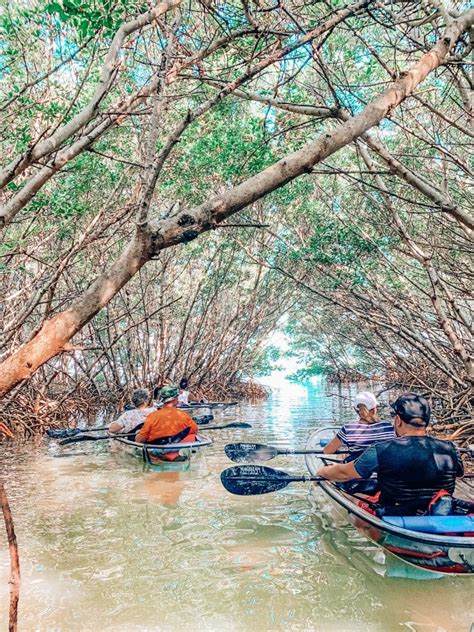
359 436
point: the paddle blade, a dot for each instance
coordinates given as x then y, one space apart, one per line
253 452
250 480
234 424
201 420
82 438
63 433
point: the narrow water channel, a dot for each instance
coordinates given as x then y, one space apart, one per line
105 546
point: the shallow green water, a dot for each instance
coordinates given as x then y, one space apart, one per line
106 546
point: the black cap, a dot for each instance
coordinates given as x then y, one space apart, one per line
410 406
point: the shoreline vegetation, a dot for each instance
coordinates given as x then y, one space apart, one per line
33 411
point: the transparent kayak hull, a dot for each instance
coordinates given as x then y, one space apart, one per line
152 456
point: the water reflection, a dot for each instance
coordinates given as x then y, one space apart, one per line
107 546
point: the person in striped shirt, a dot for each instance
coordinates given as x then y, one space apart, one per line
357 436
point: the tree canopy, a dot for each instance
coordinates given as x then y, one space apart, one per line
311 160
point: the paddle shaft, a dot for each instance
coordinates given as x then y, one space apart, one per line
316 479
255 452
279 452
236 424
86 437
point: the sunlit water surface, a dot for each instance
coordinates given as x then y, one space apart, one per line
107 546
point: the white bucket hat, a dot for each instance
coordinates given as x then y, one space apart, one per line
368 399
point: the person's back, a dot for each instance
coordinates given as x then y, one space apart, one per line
130 419
357 436
183 398
135 414
412 469
168 425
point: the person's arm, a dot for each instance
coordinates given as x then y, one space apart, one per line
333 446
143 434
363 467
117 425
192 424
339 472
459 465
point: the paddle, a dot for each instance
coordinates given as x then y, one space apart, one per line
249 480
62 433
252 480
86 437
233 424
65 433
255 452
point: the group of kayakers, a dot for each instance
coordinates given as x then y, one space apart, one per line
167 424
397 467
405 471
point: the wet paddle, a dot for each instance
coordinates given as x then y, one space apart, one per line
86 437
251 480
255 452
233 424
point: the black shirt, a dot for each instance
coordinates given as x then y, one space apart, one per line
411 470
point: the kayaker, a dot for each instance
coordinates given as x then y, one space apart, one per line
132 418
168 425
359 435
412 470
183 397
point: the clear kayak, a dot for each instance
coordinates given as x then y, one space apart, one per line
439 544
152 455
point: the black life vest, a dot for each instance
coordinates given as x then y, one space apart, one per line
412 469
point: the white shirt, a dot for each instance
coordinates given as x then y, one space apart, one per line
130 419
183 397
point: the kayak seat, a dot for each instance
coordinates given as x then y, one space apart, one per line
433 524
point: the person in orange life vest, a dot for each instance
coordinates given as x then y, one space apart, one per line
168 425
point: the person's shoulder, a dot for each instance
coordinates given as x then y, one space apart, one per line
442 443
388 443
152 413
350 425
384 425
